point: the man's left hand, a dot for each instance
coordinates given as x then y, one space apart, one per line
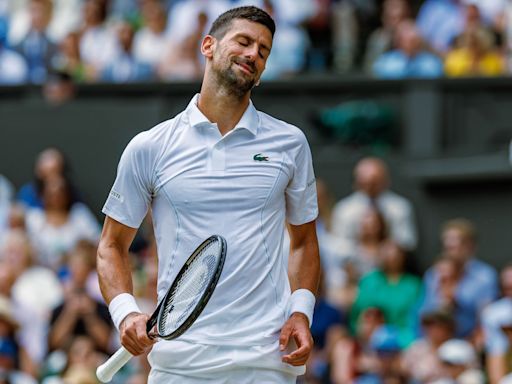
297 326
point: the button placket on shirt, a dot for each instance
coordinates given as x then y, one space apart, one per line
216 149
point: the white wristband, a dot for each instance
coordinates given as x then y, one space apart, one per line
303 301
121 306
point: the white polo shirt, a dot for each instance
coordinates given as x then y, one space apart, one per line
243 186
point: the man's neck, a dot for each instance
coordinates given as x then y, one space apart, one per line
222 107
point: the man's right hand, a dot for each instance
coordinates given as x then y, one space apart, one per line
133 333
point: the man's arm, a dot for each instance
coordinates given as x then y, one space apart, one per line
115 277
303 273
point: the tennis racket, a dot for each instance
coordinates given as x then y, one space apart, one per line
182 304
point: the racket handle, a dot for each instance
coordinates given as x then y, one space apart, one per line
109 368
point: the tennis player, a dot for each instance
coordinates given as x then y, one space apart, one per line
221 167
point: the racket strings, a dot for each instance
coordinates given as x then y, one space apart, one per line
189 290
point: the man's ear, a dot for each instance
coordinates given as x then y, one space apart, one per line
208 45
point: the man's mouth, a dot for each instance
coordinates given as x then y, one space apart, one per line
245 67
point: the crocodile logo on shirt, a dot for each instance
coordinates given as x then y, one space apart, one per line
260 157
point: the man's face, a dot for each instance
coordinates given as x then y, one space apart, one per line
239 58
457 246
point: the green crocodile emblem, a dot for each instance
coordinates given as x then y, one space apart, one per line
260 157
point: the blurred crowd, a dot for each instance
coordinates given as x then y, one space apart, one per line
125 41
378 320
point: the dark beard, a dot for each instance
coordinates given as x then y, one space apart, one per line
232 83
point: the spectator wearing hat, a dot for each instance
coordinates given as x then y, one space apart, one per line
497 329
383 365
420 362
460 363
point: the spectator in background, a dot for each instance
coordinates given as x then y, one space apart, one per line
288 56
13 68
61 223
33 289
50 163
352 357
372 234
180 60
383 360
475 53
491 10
460 363
82 359
383 39
473 285
371 184
420 361
496 324
327 328
409 59
36 47
151 40
184 18
390 281
20 365
79 314
98 45
440 22
126 68
319 33
68 60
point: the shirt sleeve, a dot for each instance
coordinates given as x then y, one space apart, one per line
496 342
130 196
301 201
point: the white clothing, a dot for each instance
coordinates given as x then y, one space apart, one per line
397 212
13 69
53 242
189 363
182 19
99 47
34 294
495 316
148 46
243 186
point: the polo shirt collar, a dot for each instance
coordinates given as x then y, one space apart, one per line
249 121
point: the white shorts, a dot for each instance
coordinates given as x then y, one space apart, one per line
181 362
238 376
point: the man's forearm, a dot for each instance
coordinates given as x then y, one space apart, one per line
304 267
114 271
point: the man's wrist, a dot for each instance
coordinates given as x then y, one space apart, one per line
302 301
121 306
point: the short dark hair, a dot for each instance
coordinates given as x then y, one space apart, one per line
221 25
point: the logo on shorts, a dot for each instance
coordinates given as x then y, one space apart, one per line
260 157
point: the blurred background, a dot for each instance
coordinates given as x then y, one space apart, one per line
407 107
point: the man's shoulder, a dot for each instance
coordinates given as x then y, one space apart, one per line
155 137
274 125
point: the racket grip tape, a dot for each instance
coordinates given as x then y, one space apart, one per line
108 369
